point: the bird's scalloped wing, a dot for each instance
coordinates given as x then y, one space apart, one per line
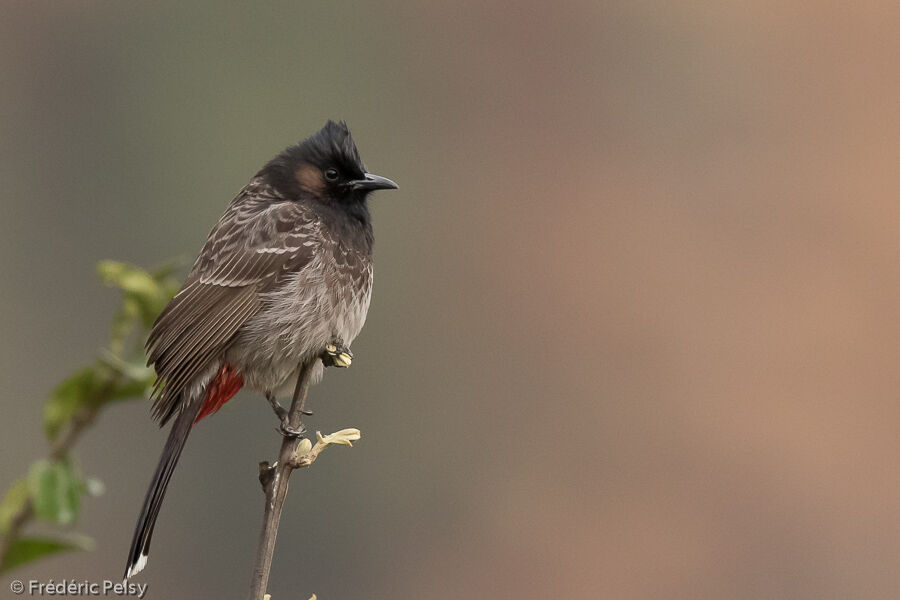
252 247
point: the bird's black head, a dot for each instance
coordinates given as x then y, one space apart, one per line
325 167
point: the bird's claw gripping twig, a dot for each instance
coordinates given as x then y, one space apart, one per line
285 427
336 354
286 430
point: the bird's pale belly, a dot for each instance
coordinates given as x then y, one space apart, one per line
294 325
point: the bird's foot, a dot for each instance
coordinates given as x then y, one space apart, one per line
336 354
285 428
287 431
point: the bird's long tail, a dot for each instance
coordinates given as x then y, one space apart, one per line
140 543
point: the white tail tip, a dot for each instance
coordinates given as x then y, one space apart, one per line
136 567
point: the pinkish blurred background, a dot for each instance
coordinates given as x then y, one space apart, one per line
634 332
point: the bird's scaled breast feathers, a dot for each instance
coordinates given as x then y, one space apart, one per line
326 299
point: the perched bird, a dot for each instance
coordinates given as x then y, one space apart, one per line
284 278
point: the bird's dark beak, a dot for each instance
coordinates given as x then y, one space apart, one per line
373 182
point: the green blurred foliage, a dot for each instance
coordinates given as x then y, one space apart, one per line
145 294
54 488
15 499
25 550
69 397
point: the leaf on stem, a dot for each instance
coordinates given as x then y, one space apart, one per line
344 437
13 501
24 550
55 490
70 395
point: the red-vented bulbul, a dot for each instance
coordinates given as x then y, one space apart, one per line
284 278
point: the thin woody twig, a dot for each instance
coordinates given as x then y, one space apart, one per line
275 485
294 454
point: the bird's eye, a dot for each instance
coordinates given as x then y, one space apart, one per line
331 174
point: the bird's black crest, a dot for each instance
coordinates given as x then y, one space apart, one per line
332 145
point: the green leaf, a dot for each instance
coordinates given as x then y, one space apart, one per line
55 490
25 550
131 279
136 379
137 388
124 322
79 389
142 291
15 498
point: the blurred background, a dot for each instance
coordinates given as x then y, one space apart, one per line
634 331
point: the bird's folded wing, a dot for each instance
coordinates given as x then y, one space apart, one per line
246 253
